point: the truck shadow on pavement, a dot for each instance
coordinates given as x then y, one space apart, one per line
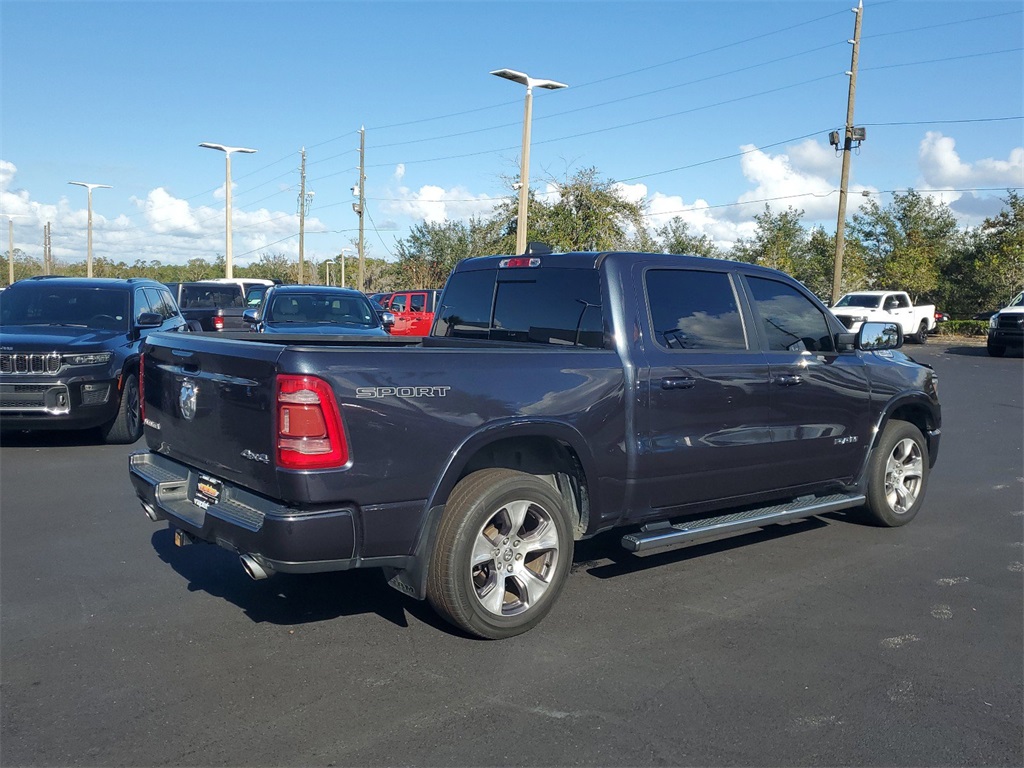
291 599
604 557
51 438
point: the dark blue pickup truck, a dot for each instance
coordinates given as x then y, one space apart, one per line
558 396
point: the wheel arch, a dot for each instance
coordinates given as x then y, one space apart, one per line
915 408
551 450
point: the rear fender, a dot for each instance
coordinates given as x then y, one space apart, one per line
412 580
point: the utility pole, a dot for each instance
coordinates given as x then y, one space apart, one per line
360 207
47 257
851 134
10 251
302 219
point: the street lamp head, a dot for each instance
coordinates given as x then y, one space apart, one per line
226 149
90 186
529 82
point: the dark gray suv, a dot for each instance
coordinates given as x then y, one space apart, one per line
69 352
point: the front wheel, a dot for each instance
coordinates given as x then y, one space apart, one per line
996 350
502 554
897 475
126 426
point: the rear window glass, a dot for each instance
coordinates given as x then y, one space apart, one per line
210 297
538 306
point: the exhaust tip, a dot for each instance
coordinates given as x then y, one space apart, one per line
256 571
150 511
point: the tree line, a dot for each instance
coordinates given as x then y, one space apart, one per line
913 243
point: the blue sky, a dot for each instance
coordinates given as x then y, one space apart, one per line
702 109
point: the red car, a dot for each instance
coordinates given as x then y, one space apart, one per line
413 311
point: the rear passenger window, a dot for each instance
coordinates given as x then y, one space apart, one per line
693 309
790 320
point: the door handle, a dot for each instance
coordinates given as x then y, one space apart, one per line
788 380
678 382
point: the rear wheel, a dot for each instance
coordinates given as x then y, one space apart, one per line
502 553
897 475
922 333
126 426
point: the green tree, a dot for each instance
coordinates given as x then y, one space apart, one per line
675 237
1002 249
591 214
906 243
780 241
817 268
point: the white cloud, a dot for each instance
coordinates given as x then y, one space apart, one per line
941 166
811 157
435 204
399 172
167 214
943 170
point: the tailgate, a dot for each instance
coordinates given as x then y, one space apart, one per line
209 403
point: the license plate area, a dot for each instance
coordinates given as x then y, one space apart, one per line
209 491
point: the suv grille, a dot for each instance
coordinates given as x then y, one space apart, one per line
30 363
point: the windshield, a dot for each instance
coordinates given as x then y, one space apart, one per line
47 303
859 300
1018 300
307 308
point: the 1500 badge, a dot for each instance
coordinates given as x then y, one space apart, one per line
402 391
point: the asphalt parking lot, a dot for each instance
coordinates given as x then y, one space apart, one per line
822 642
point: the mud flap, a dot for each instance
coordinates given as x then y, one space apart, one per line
412 580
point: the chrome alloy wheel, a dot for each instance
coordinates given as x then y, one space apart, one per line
514 558
904 474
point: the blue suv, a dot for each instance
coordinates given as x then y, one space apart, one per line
69 352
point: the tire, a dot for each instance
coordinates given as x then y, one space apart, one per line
502 554
126 426
922 333
995 350
897 475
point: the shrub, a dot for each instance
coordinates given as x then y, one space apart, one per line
963 328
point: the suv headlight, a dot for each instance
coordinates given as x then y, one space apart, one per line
993 321
95 358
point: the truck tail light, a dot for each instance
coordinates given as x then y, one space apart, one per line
309 430
218 323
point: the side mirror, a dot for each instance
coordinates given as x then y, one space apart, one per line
249 316
874 337
387 319
150 320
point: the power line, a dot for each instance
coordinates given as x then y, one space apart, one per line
961 22
942 60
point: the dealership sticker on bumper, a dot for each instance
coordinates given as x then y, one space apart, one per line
208 491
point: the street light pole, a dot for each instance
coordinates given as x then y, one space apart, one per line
228 265
343 265
10 243
90 187
524 165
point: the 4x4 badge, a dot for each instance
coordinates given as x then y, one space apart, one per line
187 399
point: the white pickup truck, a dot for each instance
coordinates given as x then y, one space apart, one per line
886 306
